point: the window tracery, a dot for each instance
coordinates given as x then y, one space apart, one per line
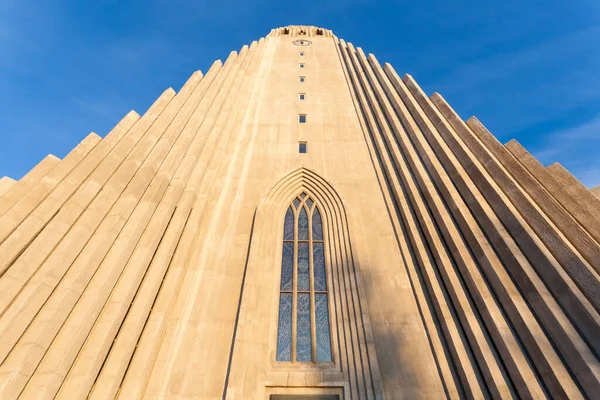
303 333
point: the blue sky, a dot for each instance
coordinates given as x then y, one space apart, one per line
528 70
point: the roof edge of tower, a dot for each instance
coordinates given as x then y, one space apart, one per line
301 31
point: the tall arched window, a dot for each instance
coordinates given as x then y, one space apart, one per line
303 333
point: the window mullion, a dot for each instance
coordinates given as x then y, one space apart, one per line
295 288
313 314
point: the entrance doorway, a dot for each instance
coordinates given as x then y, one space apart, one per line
304 397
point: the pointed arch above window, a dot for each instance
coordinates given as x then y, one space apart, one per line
303 333
264 338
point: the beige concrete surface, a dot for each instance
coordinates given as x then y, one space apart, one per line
9 197
5 184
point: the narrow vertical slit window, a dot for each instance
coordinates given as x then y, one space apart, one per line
302 118
302 79
302 147
304 333
302 96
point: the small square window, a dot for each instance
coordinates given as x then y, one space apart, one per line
301 54
301 65
302 118
302 79
302 96
302 147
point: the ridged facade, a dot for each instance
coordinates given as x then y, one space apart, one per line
146 264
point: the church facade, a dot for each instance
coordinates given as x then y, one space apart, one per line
299 222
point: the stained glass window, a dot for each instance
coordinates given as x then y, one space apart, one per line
303 342
303 301
288 229
319 267
287 266
317 228
302 225
303 268
322 324
284 336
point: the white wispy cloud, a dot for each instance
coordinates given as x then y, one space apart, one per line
529 76
98 106
586 135
525 92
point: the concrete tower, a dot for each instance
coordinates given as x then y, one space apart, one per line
299 222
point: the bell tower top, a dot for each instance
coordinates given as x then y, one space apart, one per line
300 31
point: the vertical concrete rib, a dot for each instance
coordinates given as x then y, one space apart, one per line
376 374
577 207
141 364
490 152
11 195
507 344
578 268
222 122
145 228
402 191
580 310
42 253
485 259
5 184
540 355
581 272
93 214
572 185
439 347
21 239
22 206
132 208
177 164
158 255
29 215
27 203
102 240
359 93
